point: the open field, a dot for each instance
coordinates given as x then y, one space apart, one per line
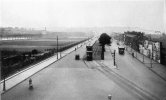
19 54
39 44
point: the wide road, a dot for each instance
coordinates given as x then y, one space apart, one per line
68 79
135 71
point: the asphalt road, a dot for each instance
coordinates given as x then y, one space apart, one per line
139 74
68 79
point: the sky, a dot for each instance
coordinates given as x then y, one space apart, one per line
144 14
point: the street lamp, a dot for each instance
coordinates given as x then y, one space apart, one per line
4 83
4 74
152 51
152 56
57 47
60 51
114 57
4 86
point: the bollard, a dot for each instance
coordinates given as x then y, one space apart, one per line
30 81
30 84
109 97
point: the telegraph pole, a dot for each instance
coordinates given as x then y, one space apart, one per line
143 58
4 81
143 52
114 57
57 47
60 51
4 84
152 56
152 51
4 73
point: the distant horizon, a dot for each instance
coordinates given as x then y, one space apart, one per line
54 28
76 29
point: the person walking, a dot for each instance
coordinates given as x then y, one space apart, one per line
133 54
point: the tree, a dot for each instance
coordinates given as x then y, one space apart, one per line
34 51
103 40
138 38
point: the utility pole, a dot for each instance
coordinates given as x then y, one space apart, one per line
114 57
152 56
151 62
130 48
152 51
143 52
4 84
4 72
143 58
57 47
60 51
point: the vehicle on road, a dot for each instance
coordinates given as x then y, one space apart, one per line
121 50
77 57
89 53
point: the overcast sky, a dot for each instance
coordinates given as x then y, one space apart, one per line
147 14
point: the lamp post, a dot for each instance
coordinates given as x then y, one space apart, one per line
4 84
152 51
143 51
4 74
114 57
60 51
151 57
57 47
130 48
143 58
4 81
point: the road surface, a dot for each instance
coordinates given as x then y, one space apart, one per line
140 74
68 79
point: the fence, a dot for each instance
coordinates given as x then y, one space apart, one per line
142 58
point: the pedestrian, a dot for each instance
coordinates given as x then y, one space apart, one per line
133 54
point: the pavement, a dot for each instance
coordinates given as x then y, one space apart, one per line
156 67
92 80
21 76
150 80
108 58
70 79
